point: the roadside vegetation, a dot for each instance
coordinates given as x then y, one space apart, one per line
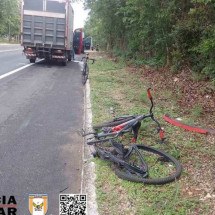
9 20
116 86
170 33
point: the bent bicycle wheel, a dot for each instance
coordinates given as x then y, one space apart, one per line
114 122
162 167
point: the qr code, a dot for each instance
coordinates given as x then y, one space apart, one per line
73 204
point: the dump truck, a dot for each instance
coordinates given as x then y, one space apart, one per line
47 30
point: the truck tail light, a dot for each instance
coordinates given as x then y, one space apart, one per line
29 50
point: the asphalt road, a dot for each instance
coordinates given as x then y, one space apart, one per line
41 110
11 57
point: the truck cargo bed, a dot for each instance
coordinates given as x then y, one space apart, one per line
47 23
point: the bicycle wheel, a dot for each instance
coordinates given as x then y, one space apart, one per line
115 154
162 167
114 122
85 74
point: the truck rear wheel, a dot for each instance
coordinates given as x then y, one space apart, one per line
32 60
48 60
64 63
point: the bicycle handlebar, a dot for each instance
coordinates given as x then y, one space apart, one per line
87 58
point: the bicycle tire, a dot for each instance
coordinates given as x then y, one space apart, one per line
85 74
114 122
126 175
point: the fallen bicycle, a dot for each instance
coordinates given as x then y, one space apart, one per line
137 162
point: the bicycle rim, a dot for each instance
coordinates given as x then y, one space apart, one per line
162 167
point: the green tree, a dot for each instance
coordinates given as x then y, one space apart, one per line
174 33
106 22
9 17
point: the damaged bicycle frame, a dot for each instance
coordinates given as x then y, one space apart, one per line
129 122
120 156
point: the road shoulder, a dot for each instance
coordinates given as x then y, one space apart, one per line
89 176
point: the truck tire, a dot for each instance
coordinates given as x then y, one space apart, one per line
64 63
48 61
32 60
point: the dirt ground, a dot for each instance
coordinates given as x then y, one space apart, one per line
192 92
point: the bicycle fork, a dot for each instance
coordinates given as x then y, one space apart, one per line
160 130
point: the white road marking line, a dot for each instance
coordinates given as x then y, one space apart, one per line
9 44
17 70
14 71
10 50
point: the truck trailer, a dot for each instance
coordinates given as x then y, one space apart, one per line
47 30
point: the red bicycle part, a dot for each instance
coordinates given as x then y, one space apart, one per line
161 133
184 126
149 93
118 127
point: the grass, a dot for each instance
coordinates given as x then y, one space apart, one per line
196 111
113 86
